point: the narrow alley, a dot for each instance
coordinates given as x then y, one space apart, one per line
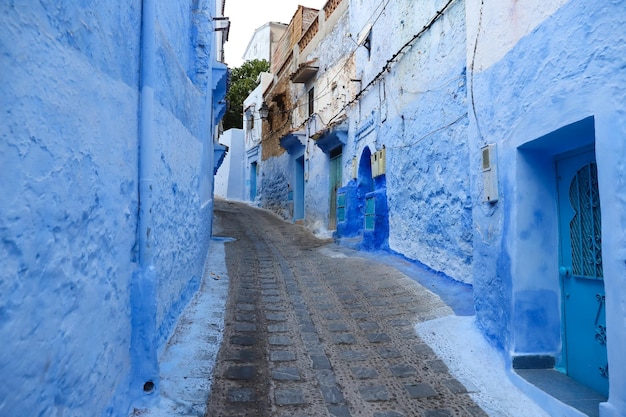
167 208
311 335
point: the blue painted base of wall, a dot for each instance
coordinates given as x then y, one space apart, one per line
456 294
143 349
169 322
353 225
350 233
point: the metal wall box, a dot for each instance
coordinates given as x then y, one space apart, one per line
489 160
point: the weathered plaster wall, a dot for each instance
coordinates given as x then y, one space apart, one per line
506 22
317 190
68 153
418 111
567 69
333 51
177 146
175 24
251 106
274 185
69 215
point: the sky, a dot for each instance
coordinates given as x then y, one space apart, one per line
248 15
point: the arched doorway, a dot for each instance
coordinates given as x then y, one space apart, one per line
365 182
363 212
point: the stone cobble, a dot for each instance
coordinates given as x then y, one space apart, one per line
311 335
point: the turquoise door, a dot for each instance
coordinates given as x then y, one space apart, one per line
253 174
581 271
298 199
335 184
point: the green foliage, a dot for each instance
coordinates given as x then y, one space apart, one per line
242 81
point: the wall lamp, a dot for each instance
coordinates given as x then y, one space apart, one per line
264 111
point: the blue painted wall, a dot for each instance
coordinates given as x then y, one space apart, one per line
69 156
559 88
417 111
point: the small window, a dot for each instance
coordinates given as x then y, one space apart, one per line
367 43
365 39
311 101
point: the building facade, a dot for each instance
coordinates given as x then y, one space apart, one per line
301 162
480 139
262 46
107 183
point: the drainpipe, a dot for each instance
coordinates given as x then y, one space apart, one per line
145 370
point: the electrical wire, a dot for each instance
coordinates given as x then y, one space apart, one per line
386 68
480 21
391 60
386 2
432 132
322 93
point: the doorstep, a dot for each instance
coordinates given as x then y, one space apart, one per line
561 388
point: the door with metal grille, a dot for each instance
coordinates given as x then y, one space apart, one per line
581 271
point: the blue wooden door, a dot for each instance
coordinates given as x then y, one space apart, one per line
335 184
253 174
298 198
582 277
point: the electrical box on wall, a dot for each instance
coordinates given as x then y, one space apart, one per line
354 167
382 164
490 173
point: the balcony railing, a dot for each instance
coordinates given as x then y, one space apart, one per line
309 34
330 7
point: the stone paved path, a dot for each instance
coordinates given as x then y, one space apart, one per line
312 333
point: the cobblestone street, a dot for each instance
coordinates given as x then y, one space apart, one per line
312 332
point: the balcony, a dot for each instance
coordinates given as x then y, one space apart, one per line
305 72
